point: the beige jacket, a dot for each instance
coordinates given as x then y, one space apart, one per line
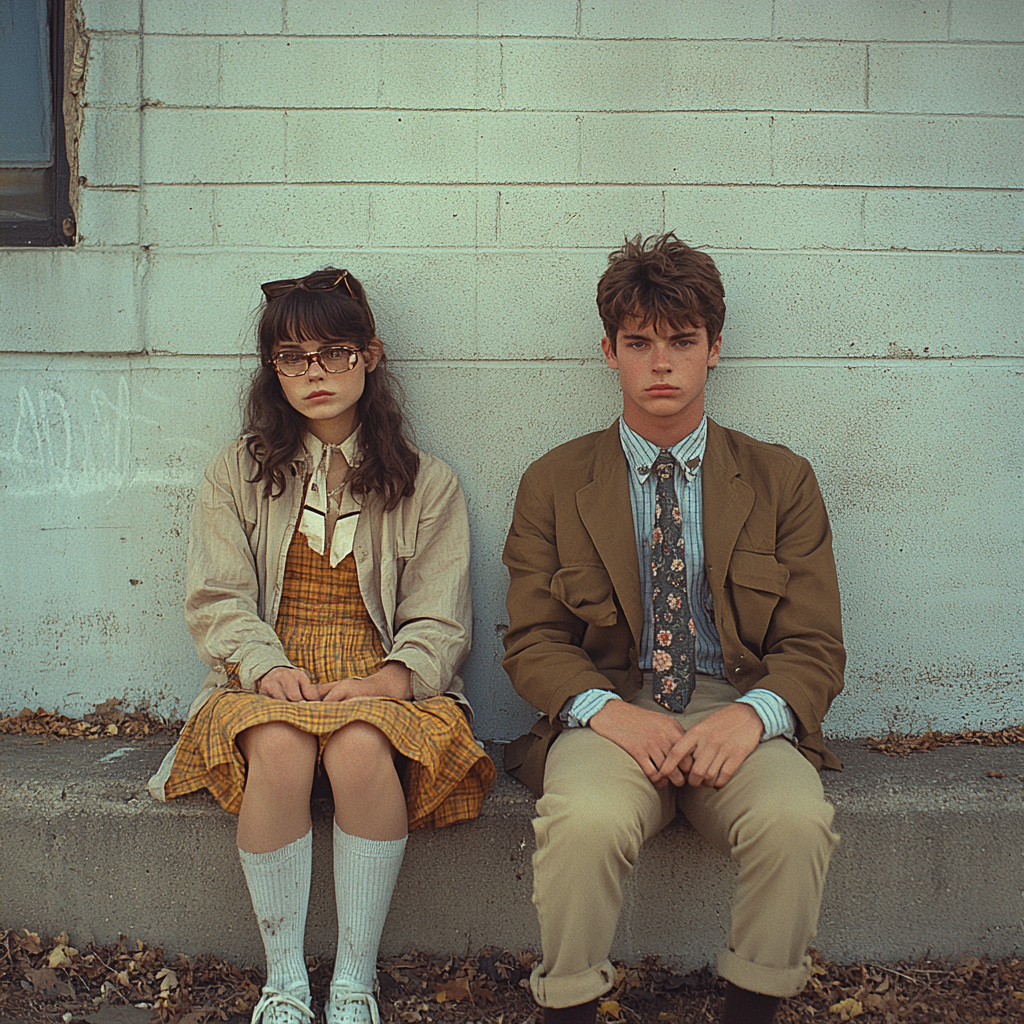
412 564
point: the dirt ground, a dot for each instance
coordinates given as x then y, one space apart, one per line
52 982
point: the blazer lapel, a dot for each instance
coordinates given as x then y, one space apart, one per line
607 514
728 501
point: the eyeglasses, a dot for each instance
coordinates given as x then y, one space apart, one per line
316 282
336 359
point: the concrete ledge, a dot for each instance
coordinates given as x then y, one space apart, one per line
931 862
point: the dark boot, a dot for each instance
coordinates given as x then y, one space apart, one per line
582 1013
743 1007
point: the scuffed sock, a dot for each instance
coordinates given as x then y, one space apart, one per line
365 873
279 887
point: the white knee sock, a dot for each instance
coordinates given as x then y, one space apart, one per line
279 886
365 872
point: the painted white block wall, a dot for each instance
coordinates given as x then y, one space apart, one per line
856 169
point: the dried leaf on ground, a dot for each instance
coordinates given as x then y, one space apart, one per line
902 744
458 989
45 982
107 719
60 955
121 984
847 1009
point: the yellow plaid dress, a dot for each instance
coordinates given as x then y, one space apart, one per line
326 629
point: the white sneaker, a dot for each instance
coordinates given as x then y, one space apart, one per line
277 1007
350 1004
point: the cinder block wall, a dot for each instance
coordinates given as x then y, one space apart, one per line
855 168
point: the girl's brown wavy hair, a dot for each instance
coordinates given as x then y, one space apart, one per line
273 429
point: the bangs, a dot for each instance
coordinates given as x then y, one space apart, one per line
304 316
679 308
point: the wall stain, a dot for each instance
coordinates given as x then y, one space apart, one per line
895 352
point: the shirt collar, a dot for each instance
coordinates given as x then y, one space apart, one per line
641 453
315 449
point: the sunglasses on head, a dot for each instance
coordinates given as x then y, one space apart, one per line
320 281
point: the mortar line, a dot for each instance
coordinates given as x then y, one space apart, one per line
140 360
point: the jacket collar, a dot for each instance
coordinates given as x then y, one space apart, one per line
728 501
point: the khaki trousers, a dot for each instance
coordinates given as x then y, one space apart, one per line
597 810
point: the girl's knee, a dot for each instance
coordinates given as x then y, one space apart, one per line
357 746
275 744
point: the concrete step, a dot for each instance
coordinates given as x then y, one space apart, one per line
931 863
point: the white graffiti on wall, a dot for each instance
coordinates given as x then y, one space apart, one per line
49 453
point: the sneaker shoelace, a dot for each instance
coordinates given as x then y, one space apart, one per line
277 1007
349 1004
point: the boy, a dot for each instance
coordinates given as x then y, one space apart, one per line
674 613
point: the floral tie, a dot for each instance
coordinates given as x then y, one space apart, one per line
674 655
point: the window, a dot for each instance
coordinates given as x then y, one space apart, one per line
34 173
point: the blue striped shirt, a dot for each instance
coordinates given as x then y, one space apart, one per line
774 712
688 453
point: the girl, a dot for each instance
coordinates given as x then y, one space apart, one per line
328 590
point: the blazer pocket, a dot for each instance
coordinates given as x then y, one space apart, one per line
757 583
586 590
758 572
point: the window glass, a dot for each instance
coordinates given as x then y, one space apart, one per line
26 133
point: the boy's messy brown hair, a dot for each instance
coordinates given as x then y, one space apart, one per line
661 279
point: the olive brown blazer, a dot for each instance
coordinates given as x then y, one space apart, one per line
575 618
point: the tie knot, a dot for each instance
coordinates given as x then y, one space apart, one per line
664 464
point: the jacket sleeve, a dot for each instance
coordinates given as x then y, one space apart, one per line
546 654
222 599
788 618
433 619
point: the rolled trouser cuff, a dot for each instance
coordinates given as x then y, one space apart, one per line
783 982
573 990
